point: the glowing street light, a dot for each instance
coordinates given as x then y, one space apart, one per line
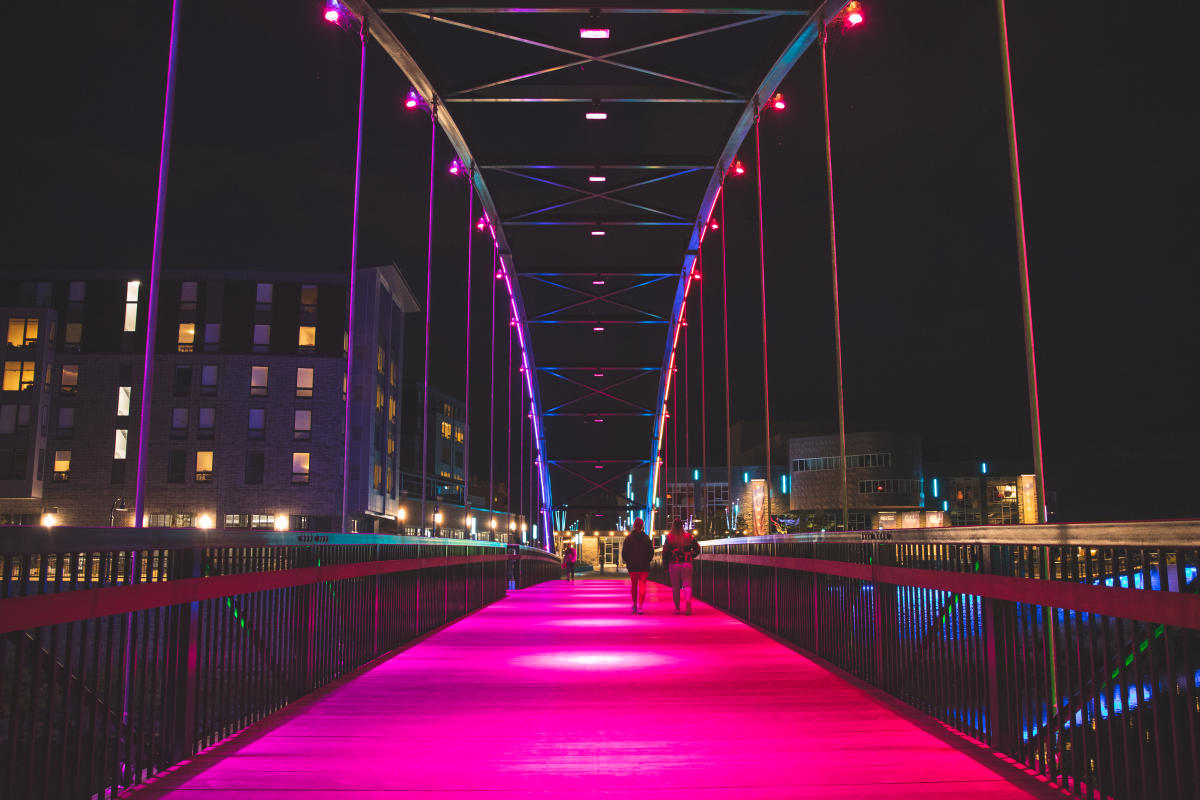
204 522
281 522
596 115
401 514
49 520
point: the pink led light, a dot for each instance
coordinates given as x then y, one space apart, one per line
455 167
713 225
499 274
597 283
412 99
593 33
482 223
597 179
854 18
695 277
598 419
332 16
598 328
596 115
738 168
777 102
597 374
597 233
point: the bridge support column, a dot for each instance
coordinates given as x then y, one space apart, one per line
997 616
181 742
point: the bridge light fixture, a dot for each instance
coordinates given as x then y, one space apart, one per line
597 232
738 168
598 328
777 102
482 224
713 225
455 166
597 282
597 179
596 115
854 15
593 33
332 12
412 99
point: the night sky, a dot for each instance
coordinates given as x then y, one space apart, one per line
262 169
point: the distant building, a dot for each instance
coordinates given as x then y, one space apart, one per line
883 472
982 492
248 400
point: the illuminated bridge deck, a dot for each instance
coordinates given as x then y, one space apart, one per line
558 691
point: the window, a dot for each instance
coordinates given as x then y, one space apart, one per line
458 434
14 419
42 292
391 444
890 486
22 331
212 337
188 291
75 292
18 375
258 381
187 337
12 465
73 336
308 337
183 381
124 393
68 383
257 426
262 296
304 381
131 304
395 370
262 522
206 422
175 465
299 467
254 466
379 398
308 299
262 338
208 380
380 359
237 521
120 443
179 423
446 428
62 465
303 429
391 409
204 466
377 477
66 422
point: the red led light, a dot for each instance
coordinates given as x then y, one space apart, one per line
713 225
695 277
738 168
854 14
455 167
482 224
331 16
777 102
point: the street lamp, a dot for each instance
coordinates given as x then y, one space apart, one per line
204 522
49 520
437 520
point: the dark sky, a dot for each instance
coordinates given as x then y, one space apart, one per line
262 176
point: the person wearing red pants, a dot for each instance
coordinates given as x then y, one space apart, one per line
637 552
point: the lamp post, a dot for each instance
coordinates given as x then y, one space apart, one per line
437 520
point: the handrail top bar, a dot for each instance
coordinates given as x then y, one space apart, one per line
16 540
1166 533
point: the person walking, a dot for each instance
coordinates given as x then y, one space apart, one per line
679 551
569 559
637 552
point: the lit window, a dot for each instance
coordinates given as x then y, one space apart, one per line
379 398
303 428
131 291
123 395
187 337
212 337
458 435
391 409
66 421
380 359
121 444
308 298
18 375
308 336
446 428
300 467
74 335
62 465
131 312
179 423
377 477
69 383
206 420
208 379
204 466
304 381
258 381
257 425
262 295
395 370
391 445
22 331
262 338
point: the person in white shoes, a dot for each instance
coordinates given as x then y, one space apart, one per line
679 551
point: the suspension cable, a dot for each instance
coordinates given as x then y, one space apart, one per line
837 312
467 381
428 320
492 404
731 521
762 265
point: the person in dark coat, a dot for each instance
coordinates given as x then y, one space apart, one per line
637 552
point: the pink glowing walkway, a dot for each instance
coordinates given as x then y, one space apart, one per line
559 692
